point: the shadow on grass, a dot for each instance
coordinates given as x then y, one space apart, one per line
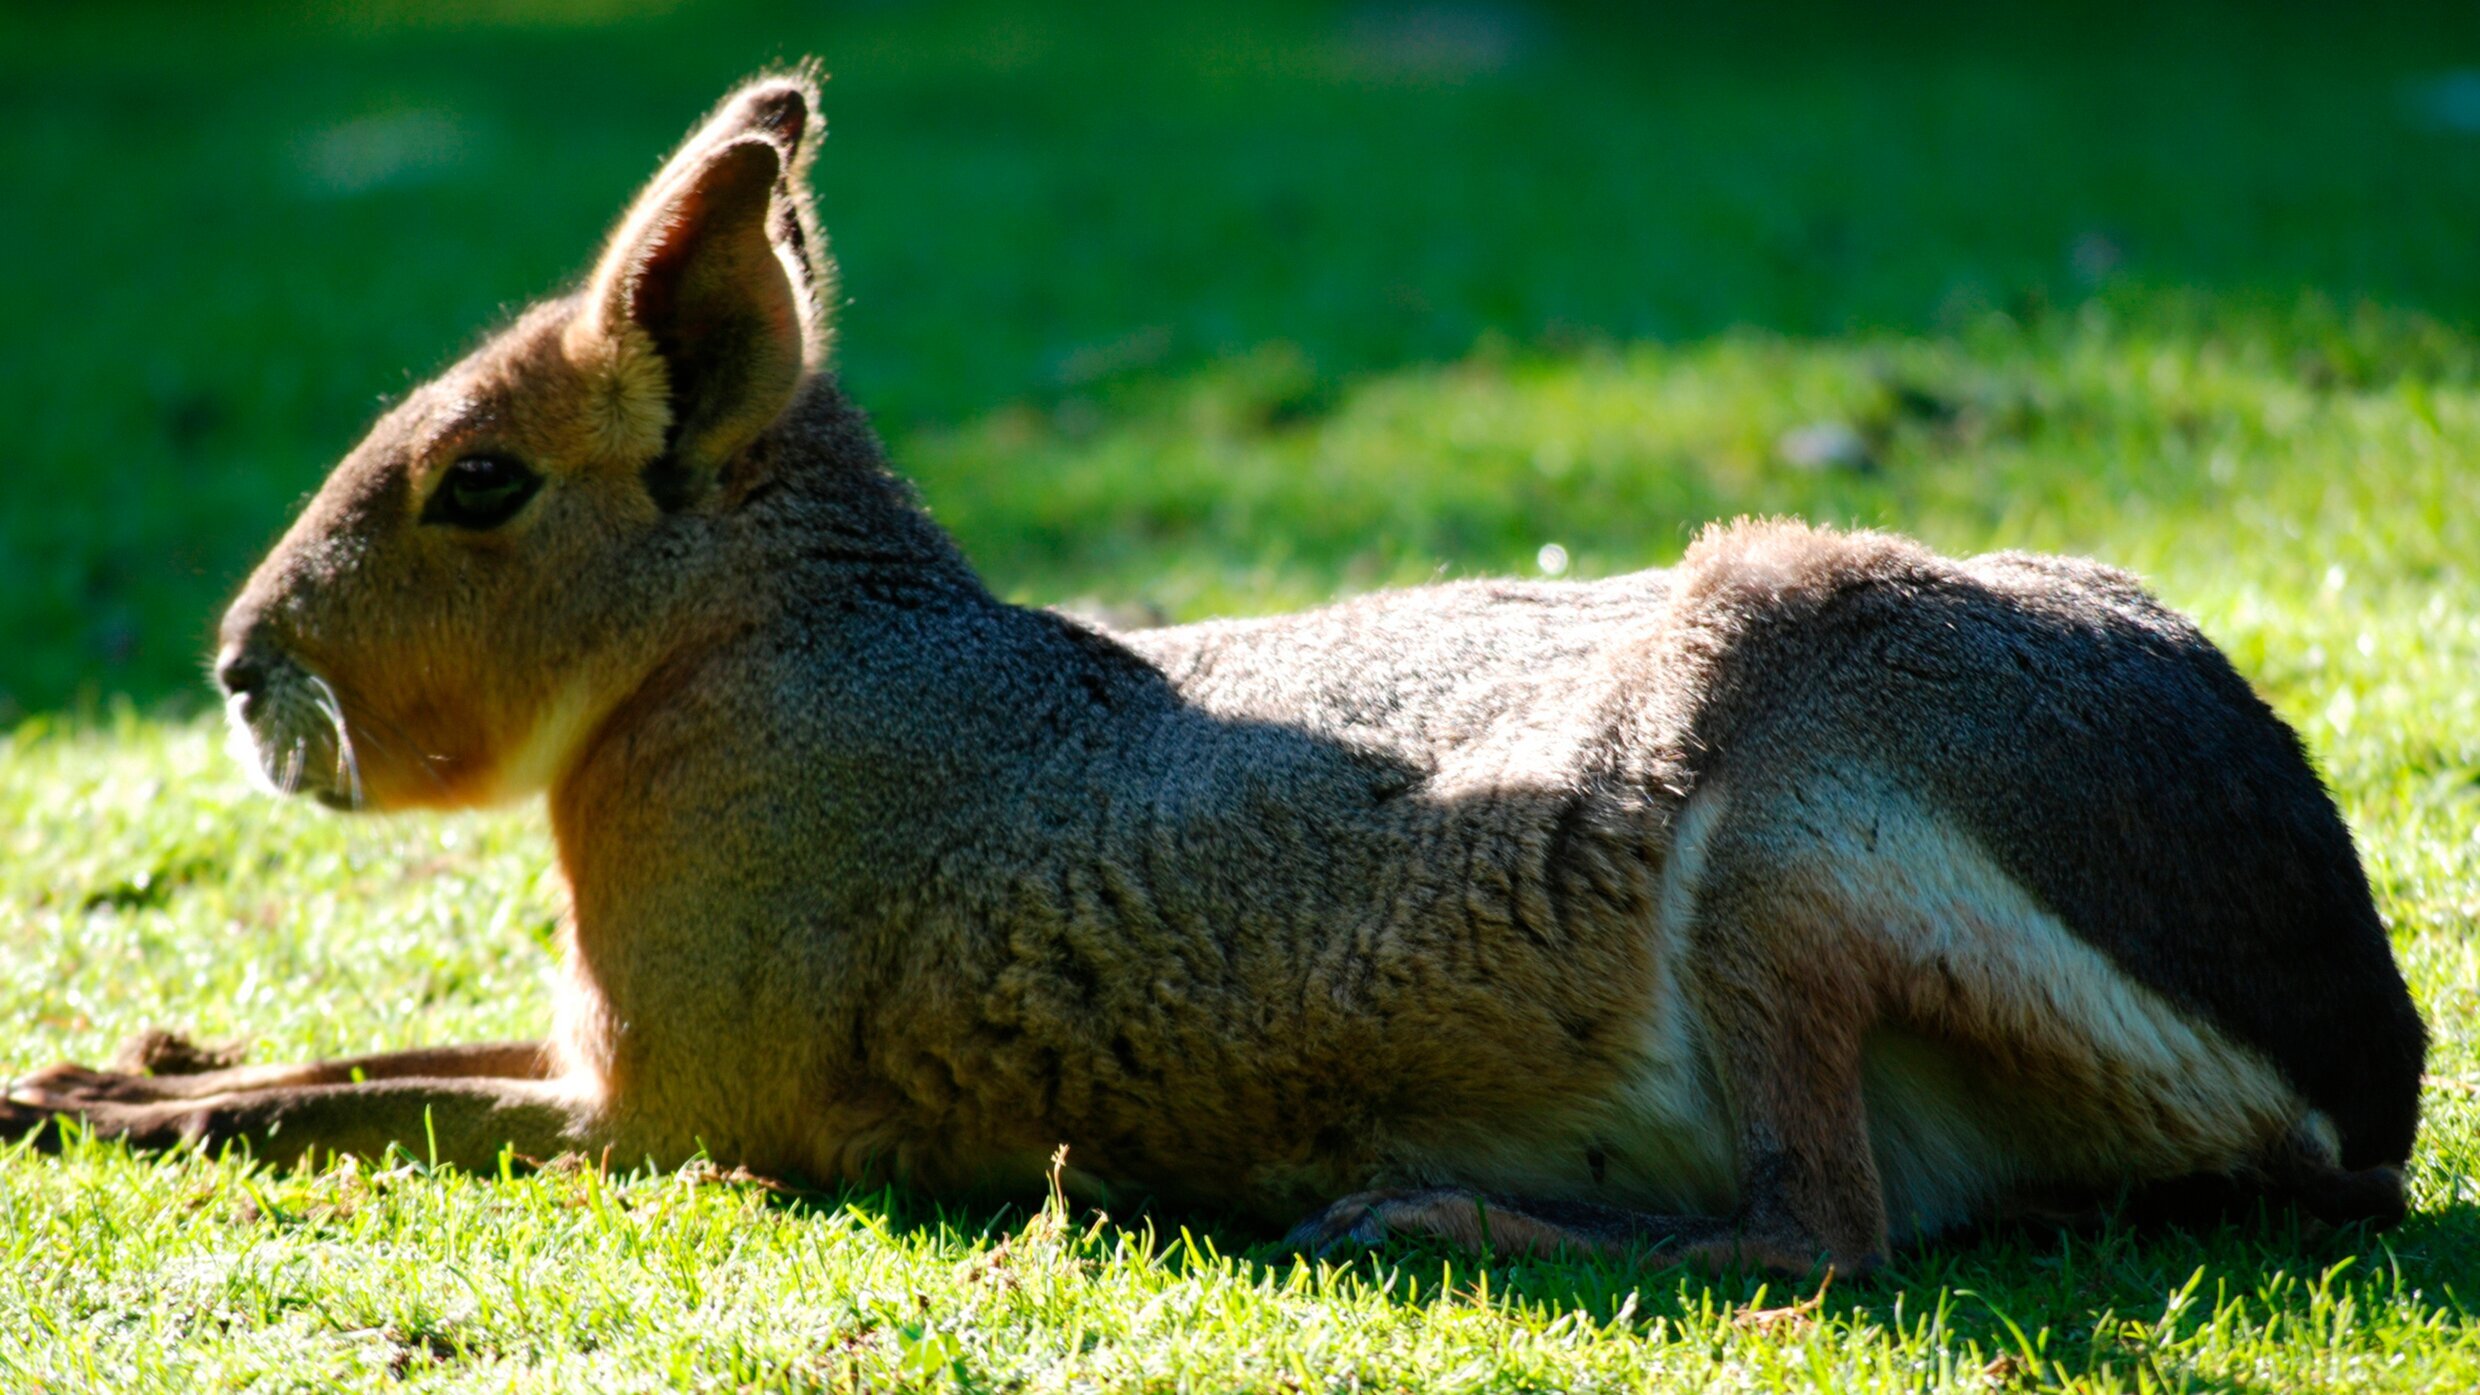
2020 1305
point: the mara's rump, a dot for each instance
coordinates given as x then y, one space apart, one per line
2073 893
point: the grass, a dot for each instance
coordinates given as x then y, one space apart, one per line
1213 311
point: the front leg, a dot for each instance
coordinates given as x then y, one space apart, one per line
158 1066
466 1123
1786 1014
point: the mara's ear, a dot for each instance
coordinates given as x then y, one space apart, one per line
705 310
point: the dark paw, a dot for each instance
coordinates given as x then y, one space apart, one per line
70 1086
46 1123
1357 1220
36 1127
105 1104
1451 1215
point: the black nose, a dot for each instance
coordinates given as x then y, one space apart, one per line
240 673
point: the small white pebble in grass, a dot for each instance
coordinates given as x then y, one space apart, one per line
2335 579
1552 559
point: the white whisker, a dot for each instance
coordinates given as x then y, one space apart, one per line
348 764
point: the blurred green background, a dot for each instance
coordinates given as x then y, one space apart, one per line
1223 306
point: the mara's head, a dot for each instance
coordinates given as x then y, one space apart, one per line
505 554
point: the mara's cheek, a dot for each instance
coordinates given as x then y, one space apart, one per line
418 749
469 745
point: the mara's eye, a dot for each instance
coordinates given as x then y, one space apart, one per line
481 491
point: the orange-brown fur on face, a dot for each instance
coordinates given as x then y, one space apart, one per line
468 665
413 624
1816 896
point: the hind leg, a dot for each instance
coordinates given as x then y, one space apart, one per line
1808 1187
1787 1019
2300 1173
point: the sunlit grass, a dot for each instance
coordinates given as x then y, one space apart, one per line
1189 311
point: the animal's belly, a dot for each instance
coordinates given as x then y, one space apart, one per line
1934 1133
1659 1142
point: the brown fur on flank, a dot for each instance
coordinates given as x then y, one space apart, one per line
1817 895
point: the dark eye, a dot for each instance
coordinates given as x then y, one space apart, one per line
481 491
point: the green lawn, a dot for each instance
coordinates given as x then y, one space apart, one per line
1204 309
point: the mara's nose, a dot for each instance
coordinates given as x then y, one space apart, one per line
239 672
